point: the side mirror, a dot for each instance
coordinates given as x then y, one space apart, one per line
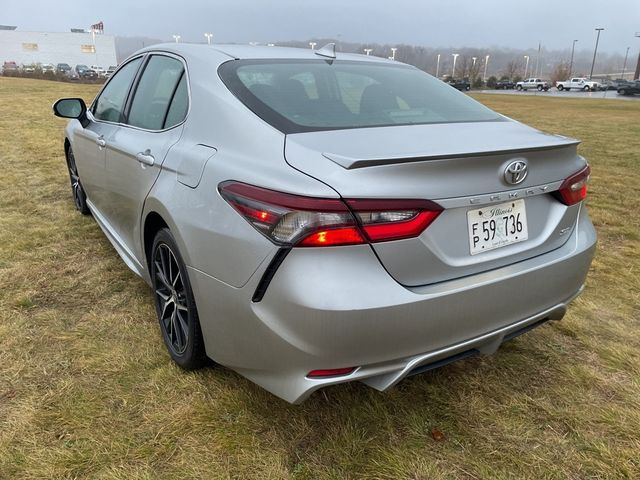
70 108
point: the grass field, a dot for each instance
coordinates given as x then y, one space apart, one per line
87 389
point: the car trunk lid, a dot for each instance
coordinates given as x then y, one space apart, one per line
459 166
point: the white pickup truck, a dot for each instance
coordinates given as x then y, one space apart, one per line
578 83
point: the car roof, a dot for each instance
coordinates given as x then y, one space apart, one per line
219 52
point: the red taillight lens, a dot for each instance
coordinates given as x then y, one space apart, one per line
332 372
574 188
384 220
320 222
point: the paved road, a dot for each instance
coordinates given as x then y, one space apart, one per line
609 94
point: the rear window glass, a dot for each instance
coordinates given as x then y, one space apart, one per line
310 95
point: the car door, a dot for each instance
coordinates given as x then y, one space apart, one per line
136 151
90 142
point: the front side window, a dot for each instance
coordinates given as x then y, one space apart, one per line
110 104
155 90
310 95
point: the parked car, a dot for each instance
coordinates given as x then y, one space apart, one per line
613 84
85 72
9 68
302 244
110 71
505 85
63 68
533 84
29 68
459 84
48 68
629 88
101 72
578 83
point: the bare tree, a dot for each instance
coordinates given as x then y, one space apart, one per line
560 72
512 68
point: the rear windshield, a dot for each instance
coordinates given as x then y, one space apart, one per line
311 95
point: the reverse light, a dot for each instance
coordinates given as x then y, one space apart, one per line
574 188
293 220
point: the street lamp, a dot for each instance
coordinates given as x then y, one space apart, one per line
176 38
624 65
573 47
438 66
637 74
313 45
486 62
595 50
526 67
474 61
208 35
368 51
453 70
393 53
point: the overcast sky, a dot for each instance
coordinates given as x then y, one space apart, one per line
447 23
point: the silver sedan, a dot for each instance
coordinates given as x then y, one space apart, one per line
308 218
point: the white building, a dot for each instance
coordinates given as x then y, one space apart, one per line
84 48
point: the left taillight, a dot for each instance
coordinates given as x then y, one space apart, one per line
293 220
574 188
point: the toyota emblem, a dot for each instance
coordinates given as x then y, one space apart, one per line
516 172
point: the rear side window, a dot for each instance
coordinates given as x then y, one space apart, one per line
155 90
179 105
110 104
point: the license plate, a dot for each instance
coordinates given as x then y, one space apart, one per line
496 226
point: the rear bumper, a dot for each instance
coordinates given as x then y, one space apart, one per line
338 307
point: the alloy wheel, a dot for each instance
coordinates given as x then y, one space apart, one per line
76 186
171 296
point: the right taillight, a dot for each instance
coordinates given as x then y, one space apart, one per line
574 188
293 220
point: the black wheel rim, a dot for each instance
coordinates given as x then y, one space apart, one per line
171 298
76 187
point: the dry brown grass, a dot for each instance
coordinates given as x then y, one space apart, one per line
88 391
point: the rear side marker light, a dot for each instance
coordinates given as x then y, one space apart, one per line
298 221
332 372
574 188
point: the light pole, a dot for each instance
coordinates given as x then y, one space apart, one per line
595 50
573 47
438 66
474 61
486 62
208 35
453 70
313 45
636 76
176 38
393 53
624 65
368 51
526 67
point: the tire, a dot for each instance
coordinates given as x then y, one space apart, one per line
175 304
77 192
622 91
560 88
467 87
540 87
505 87
519 87
586 88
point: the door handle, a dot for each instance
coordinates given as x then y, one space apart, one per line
101 142
145 157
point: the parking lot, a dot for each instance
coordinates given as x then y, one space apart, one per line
555 93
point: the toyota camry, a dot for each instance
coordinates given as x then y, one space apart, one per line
308 218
